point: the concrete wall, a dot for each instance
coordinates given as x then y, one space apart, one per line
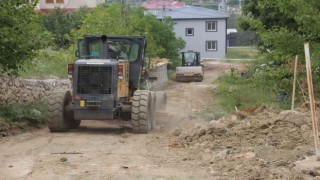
198 41
27 91
160 71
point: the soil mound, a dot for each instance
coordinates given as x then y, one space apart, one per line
254 145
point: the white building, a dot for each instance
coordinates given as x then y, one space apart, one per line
204 30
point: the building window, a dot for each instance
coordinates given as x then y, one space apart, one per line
211 26
49 1
211 46
189 31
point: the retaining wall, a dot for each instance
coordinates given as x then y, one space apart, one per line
161 73
26 91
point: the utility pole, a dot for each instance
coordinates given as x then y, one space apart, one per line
163 9
123 11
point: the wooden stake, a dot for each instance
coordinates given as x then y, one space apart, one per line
311 98
294 82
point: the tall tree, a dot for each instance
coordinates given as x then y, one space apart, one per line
283 25
20 34
117 20
61 24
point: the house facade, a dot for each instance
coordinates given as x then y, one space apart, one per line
67 5
204 30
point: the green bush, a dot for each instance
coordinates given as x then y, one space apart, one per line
31 114
263 85
49 64
21 34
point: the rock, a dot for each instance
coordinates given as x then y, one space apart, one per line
206 157
234 117
260 109
210 170
248 155
3 134
176 132
241 114
63 159
221 155
125 167
213 122
125 135
207 151
17 83
185 159
287 112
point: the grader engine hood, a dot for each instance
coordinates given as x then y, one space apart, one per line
95 87
96 77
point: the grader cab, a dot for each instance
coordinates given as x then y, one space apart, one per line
107 83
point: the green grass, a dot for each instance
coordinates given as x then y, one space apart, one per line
48 64
246 94
244 52
30 114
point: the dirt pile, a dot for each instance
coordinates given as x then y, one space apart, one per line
252 147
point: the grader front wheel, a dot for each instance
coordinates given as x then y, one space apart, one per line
60 114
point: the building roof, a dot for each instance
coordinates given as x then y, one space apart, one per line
160 4
192 12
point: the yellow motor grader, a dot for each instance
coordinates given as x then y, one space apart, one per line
107 83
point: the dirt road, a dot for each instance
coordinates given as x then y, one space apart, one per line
268 144
107 150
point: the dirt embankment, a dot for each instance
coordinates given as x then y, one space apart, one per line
262 146
266 145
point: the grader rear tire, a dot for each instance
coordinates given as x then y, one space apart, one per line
161 100
141 114
58 102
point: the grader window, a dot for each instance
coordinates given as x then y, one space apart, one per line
117 48
95 49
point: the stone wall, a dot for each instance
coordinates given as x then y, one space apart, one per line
26 91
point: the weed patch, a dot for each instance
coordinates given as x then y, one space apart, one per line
30 114
245 92
48 64
242 53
